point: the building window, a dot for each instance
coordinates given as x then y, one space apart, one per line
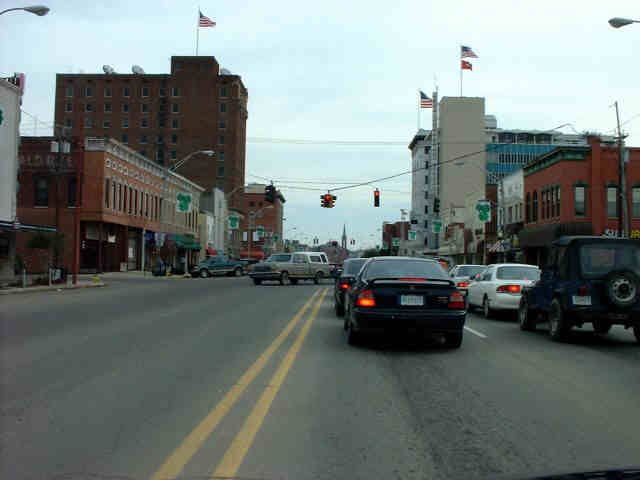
221 171
144 122
124 197
175 92
426 179
557 201
107 107
130 200
612 202
635 202
160 155
106 123
125 138
145 91
88 122
126 92
107 92
223 91
426 195
143 152
107 183
223 108
88 92
125 108
160 140
510 215
68 107
41 192
222 124
527 205
113 195
125 123
534 208
88 107
174 138
221 156
220 139
579 193
68 123
174 123
252 204
162 122
144 107
426 209
174 154
72 186
119 197
143 139
162 92
68 91
146 205
175 108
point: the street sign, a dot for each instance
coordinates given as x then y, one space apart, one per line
483 207
395 241
436 225
234 222
260 231
412 235
275 237
183 202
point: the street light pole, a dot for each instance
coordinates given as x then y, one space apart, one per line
623 213
617 22
39 10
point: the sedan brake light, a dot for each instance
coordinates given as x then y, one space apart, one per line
366 299
508 289
463 284
456 301
344 286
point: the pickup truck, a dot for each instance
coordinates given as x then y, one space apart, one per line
289 268
218 265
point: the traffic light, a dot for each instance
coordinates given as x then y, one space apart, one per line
376 198
270 193
436 205
327 200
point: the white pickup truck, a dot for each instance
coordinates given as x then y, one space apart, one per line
291 267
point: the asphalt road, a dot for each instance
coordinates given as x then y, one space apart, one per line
166 378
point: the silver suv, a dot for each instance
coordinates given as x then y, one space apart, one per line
291 267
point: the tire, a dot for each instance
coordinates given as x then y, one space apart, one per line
453 340
622 288
317 278
524 316
257 281
602 327
486 309
339 309
204 273
238 272
558 327
636 332
353 337
294 281
284 278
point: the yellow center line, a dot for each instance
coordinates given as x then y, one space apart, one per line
174 464
235 454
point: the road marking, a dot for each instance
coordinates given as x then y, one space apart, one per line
233 457
475 332
174 464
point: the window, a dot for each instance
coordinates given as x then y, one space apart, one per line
68 123
174 154
68 91
72 185
175 108
113 195
426 224
160 139
125 123
130 199
144 122
223 91
88 91
145 92
106 123
88 122
534 208
146 204
174 123
126 92
88 107
143 152
579 194
221 171
517 273
635 202
174 138
135 202
160 155
220 139
119 196
143 139
510 215
549 202
252 204
426 179
612 202
68 107
162 92
125 108
222 124
124 198
175 92
107 107
223 108
144 108
41 192
107 183
162 122
426 195
107 91
125 138
426 209
221 156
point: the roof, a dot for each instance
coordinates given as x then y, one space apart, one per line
566 152
566 240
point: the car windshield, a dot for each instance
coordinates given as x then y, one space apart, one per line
279 258
601 258
352 267
517 273
469 270
406 268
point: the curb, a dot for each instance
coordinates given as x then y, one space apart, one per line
16 291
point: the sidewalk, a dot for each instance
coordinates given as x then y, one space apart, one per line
88 282
134 274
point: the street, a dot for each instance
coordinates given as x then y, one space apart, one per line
155 378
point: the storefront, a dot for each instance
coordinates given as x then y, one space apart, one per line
535 241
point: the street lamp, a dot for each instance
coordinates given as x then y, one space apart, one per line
39 10
617 22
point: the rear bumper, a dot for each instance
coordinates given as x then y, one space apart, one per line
506 301
391 320
615 317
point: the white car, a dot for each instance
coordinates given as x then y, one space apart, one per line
462 274
499 286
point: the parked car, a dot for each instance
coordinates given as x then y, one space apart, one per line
345 277
292 267
587 280
500 285
247 263
218 265
462 275
402 293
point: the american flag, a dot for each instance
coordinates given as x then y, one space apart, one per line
464 65
466 52
205 21
425 101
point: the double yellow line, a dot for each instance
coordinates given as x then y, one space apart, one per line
241 444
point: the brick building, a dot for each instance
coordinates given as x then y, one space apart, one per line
390 231
573 190
127 201
166 117
267 215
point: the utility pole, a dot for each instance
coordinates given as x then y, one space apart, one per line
623 212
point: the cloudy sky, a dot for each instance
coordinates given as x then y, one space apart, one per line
336 71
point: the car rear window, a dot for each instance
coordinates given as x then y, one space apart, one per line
517 273
469 270
280 258
406 268
600 259
352 267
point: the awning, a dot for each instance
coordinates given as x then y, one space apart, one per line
187 242
542 236
26 227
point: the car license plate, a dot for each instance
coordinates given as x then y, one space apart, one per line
584 301
412 300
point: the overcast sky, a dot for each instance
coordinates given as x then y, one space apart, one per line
349 70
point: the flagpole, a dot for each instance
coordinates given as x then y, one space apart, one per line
198 31
460 66
419 101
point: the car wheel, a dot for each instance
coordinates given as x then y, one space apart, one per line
237 272
453 340
204 273
636 332
601 327
257 281
353 337
524 317
339 309
557 323
486 309
294 281
284 278
622 288
317 278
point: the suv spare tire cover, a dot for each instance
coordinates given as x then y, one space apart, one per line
622 288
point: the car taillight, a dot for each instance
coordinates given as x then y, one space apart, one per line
462 284
366 299
508 289
456 301
344 286
583 291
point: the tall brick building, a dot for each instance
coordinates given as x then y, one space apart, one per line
166 117
267 215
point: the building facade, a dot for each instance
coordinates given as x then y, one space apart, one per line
214 228
165 117
130 211
573 190
260 215
510 216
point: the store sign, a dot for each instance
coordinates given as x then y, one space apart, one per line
483 207
436 226
412 235
612 232
234 222
184 202
395 241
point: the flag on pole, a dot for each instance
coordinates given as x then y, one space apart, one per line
466 52
425 101
464 65
205 21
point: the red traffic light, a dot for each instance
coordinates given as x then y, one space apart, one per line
376 198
